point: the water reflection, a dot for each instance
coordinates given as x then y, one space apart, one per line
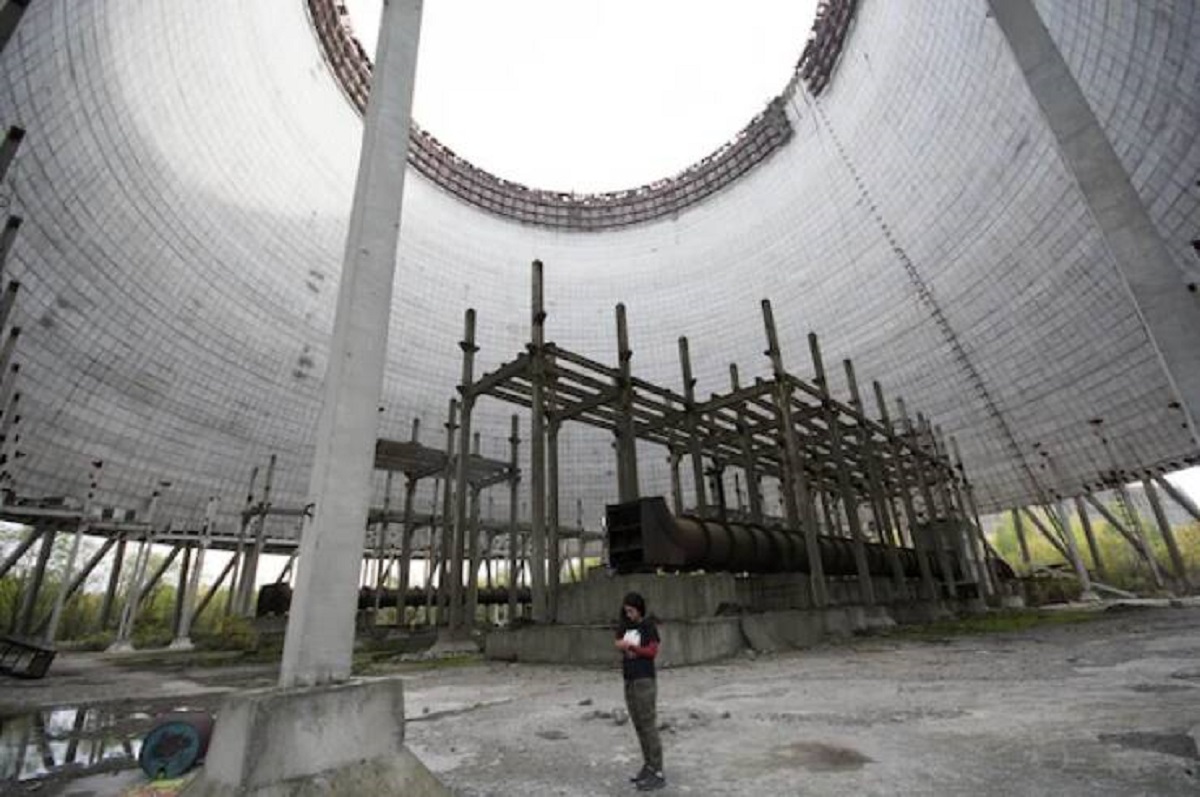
74 741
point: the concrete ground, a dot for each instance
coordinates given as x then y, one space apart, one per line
1110 706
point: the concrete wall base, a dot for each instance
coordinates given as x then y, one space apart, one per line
342 739
679 596
706 639
683 642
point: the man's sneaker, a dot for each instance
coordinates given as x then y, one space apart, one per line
641 775
652 782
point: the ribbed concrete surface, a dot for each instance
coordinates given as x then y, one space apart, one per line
187 179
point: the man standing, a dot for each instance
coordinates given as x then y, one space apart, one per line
637 639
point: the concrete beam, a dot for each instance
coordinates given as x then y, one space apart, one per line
320 635
1169 314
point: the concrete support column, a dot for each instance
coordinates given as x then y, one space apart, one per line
1139 531
673 460
904 489
7 302
381 535
1134 537
320 635
1182 581
749 461
447 524
15 555
693 439
133 598
966 496
1176 494
114 581
60 600
8 237
802 512
30 596
6 353
1169 315
1086 523
239 551
1048 534
1022 542
554 547
183 631
474 557
15 135
844 484
1081 573
10 14
463 487
81 576
406 541
514 485
626 440
969 539
181 591
874 482
537 451
254 552
920 467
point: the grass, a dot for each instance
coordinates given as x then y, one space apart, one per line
1006 621
389 664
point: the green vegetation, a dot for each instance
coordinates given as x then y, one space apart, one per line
1005 621
80 624
1123 568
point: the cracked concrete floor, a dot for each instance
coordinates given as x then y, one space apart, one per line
1106 707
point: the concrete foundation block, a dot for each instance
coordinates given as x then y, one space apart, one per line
674 596
878 618
342 739
771 632
919 612
683 643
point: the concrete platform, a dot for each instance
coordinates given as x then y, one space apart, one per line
684 642
343 739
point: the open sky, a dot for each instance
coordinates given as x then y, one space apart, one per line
595 95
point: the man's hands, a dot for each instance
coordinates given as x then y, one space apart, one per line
625 646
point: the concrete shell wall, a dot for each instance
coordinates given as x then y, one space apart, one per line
187 178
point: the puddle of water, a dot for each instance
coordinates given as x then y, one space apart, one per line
819 757
78 741
71 741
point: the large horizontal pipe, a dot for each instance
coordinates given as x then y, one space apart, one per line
417 597
643 535
277 598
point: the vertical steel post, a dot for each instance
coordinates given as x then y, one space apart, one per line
931 512
844 483
514 483
626 440
693 439
1164 528
1090 535
447 524
462 486
924 562
798 499
553 544
874 484
537 451
749 461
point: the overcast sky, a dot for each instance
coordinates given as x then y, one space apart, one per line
595 95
